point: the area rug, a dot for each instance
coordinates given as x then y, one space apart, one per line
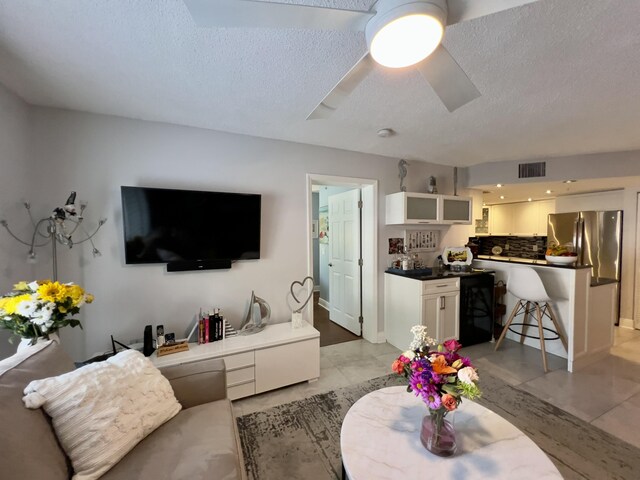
301 440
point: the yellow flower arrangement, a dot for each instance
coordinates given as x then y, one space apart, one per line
39 308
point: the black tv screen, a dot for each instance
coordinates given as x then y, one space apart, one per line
164 225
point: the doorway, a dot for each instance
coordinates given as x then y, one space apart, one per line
348 296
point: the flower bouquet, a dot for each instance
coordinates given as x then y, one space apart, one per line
441 377
38 309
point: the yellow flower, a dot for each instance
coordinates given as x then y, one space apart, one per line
62 309
10 304
52 292
89 298
76 293
21 286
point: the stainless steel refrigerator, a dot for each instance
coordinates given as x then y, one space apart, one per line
596 238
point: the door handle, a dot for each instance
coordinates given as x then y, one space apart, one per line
443 303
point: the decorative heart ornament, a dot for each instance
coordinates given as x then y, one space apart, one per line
299 304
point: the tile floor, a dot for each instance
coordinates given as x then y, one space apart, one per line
606 394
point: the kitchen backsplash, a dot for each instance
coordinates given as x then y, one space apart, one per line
522 247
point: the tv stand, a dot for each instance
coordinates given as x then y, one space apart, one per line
188 265
276 357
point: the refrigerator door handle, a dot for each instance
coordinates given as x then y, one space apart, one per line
578 239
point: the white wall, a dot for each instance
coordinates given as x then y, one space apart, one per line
95 155
15 187
613 200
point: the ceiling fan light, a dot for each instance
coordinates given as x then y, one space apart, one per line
406 40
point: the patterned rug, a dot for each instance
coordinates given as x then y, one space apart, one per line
301 440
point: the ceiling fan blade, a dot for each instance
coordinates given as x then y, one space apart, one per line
249 13
463 10
344 87
447 79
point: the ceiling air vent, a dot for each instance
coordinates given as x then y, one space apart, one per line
529 170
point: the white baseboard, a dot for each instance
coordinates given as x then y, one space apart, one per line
324 304
626 323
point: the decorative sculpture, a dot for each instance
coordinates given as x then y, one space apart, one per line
296 311
402 166
257 316
431 185
60 226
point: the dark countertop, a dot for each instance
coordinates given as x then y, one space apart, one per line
440 276
529 261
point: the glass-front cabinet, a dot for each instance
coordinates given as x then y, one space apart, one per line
456 210
407 208
411 208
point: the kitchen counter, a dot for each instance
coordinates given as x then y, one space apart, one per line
529 261
438 276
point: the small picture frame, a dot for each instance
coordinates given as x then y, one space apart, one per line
396 246
170 338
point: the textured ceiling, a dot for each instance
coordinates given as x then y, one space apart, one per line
558 77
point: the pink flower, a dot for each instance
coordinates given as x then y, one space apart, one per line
449 402
398 366
452 345
404 359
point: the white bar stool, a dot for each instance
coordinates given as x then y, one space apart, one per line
525 284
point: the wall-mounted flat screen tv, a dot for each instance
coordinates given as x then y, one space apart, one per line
164 225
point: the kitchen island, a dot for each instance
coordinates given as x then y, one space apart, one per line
586 312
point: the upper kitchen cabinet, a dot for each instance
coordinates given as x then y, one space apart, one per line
455 210
521 219
407 208
545 208
500 219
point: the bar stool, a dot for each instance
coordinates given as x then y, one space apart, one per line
525 284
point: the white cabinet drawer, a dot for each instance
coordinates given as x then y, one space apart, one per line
240 391
440 286
240 360
242 375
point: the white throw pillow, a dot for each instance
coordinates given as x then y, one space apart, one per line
102 410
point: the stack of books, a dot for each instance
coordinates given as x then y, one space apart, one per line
212 326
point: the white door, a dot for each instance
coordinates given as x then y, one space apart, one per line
344 256
636 316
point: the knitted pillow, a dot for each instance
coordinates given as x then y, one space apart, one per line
102 410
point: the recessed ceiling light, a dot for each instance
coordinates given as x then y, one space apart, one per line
386 132
499 185
501 197
529 199
570 181
549 191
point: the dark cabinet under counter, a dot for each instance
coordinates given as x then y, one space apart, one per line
476 309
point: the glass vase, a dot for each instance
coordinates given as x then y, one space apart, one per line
437 434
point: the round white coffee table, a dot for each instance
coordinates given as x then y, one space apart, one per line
380 439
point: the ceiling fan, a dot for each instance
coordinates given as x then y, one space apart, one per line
399 34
